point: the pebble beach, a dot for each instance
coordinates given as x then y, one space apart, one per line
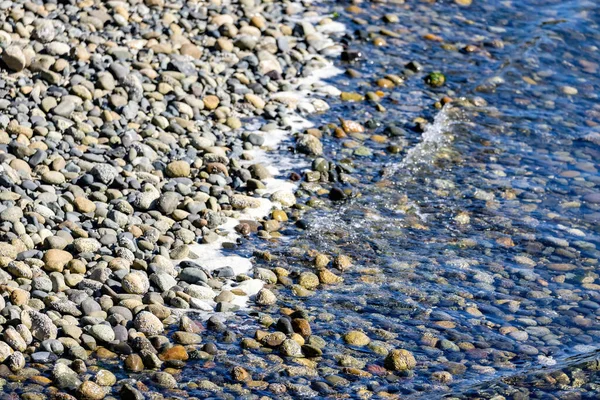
283 199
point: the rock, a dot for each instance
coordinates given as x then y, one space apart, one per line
308 144
309 280
44 31
16 361
187 338
163 281
57 48
284 197
86 245
14 58
327 277
90 390
400 360
168 202
5 351
105 378
342 262
104 173
193 275
356 338
189 49
65 108
164 380
290 348
148 324
128 392
53 178
176 352
64 377
8 250
55 260
103 333
255 100
265 297
42 327
211 102
134 363
240 374
178 169
136 282
11 214
84 205
240 201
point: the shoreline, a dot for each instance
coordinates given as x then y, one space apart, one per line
108 284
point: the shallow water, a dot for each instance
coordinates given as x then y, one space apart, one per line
475 247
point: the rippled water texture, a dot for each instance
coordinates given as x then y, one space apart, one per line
475 247
477 243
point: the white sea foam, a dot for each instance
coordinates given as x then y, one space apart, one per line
303 102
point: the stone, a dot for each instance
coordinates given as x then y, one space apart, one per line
44 31
147 323
84 205
90 390
290 348
65 377
101 332
178 169
356 338
308 144
134 363
5 351
187 338
105 378
240 201
16 361
400 360
240 374
284 197
176 352
14 58
163 281
11 214
86 245
104 173
42 327
211 102
309 280
136 282
265 297
55 260
165 380
53 178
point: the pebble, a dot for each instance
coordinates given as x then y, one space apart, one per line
14 58
147 323
400 360
357 338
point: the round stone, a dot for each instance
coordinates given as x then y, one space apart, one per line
14 58
285 197
53 178
148 323
265 297
91 391
55 260
357 338
400 360
136 282
178 169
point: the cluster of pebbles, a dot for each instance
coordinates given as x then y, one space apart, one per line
123 152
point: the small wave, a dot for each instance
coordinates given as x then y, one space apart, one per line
434 137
